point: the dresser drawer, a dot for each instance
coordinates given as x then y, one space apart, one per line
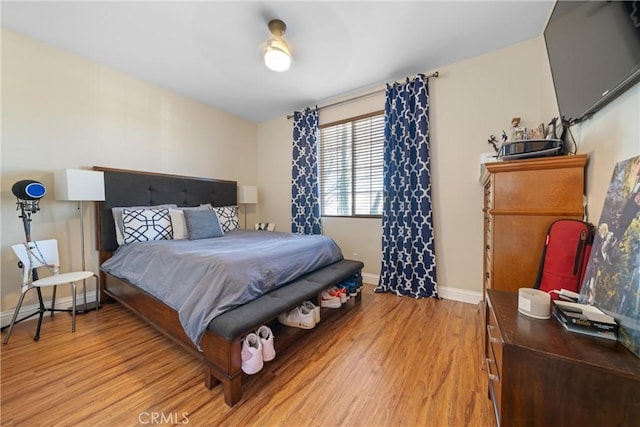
495 341
494 366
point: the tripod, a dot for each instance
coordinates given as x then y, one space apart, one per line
27 207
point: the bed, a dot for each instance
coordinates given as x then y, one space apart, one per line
218 344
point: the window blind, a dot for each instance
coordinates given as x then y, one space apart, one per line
350 167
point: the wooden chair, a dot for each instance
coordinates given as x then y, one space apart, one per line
39 255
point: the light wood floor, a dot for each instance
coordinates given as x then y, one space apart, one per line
392 362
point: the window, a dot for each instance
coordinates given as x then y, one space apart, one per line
350 169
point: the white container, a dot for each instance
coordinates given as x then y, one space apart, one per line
534 303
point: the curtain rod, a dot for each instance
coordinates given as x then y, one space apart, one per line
365 95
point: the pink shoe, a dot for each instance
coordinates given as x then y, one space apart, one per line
251 354
266 339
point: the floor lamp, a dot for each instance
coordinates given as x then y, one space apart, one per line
80 185
247 195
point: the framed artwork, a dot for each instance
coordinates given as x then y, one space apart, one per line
518 134
612 279
536 133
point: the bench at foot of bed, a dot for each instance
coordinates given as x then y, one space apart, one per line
222 344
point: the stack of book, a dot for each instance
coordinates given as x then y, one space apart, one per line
585 319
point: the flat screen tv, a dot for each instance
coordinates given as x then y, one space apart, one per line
594 53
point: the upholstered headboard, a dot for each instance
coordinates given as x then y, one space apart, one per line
136 188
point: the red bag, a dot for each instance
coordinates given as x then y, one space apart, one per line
565 256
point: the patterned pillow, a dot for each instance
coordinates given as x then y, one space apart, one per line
228 216
117 217
142 225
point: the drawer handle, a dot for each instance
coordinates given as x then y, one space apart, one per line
492 377
491 337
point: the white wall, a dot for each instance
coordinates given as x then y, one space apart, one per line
611 135
62 111
469 101
472 100
274 172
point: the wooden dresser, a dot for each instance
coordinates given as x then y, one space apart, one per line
521 199
542 375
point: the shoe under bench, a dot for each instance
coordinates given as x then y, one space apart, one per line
222 342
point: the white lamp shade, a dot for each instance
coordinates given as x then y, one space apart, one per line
79 185
277 56
247 194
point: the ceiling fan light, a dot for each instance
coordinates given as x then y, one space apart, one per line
277 56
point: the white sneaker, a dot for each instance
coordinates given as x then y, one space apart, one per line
306 310
316 310
266 339
328 300
251 354
298 318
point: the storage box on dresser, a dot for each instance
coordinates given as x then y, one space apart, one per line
521 199
542 375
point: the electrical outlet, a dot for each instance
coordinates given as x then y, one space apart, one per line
354 255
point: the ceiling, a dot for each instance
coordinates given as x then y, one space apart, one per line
211 51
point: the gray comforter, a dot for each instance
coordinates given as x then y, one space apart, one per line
202 279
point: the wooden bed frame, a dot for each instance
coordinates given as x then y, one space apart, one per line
220 357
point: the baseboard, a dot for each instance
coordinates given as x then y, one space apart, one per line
455 294
370 279
462 295
25 310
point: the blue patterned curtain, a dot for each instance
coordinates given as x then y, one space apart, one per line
408 245
305 205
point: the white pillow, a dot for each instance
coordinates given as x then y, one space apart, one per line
228 217
117 217
177 224
143 225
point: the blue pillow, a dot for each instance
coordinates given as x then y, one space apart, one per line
202 224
